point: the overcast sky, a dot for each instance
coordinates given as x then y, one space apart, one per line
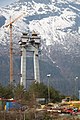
6 2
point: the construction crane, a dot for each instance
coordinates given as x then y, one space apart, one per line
11 46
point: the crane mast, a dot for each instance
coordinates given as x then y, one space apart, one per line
11 47
11 54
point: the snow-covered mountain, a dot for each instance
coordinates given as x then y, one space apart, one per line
52 19
57 22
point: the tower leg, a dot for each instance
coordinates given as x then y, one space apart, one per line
23 68
36 68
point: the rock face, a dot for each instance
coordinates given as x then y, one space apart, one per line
58 23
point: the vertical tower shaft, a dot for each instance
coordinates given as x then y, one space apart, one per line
23 67
36 66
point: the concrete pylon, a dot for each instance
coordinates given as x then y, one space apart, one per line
29 44
23 44
36 45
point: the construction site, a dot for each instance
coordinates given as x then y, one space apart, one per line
29 105
27 96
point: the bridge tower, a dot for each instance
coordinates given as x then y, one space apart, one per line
29 43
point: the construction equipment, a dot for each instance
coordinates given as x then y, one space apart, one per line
11 46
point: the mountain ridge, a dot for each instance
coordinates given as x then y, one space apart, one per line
58 23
